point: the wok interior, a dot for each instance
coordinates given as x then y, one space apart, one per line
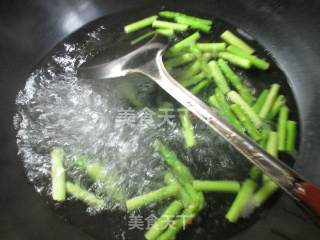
211 159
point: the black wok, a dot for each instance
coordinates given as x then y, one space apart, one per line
30 29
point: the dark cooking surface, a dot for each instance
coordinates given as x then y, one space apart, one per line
30 29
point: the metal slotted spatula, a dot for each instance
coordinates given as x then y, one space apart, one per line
147 60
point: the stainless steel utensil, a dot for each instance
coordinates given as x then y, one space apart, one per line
147 60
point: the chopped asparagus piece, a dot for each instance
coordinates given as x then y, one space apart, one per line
291 135
84 195
139 24
154 196
282 128
232 39
170 25
58 174
217 186
236 60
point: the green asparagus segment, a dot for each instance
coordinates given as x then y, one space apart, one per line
166 32
282 128
272 144
260 100
172 15
184 196
234 40
106 178
264 135
58 174
247 124
191 70
142 37
255 61
199 87
217 186
213 102
235 80
193 24
236 60
193 80
291 135
264 193
187 128
179 223
211 47
179 60
161 224
245 193
184 43
218 77
275 109
252 115
195 51
170 25
154 196
255 173
84 195
273 93
139 24
226 111
171 159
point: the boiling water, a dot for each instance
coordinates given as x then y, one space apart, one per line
96 119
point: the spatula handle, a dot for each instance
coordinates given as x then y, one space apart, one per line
309 195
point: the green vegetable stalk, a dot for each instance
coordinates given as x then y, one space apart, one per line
199 87
234 40
84 195
139 24
187 128
272 144
198 25
275 109
252 115
241 200
170 25
58 174
142 37
172 15
178 168
236 60
226 111
161 224
99 174
245 121
264 193
218 77
154 196
179 60
235 80
260 100
255 61
274 90
291 135
193 80
184 196
211 47
166 32
282 127
216 186
184 43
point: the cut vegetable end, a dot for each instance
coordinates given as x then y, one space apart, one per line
139 24
233 39
240 201
58 177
